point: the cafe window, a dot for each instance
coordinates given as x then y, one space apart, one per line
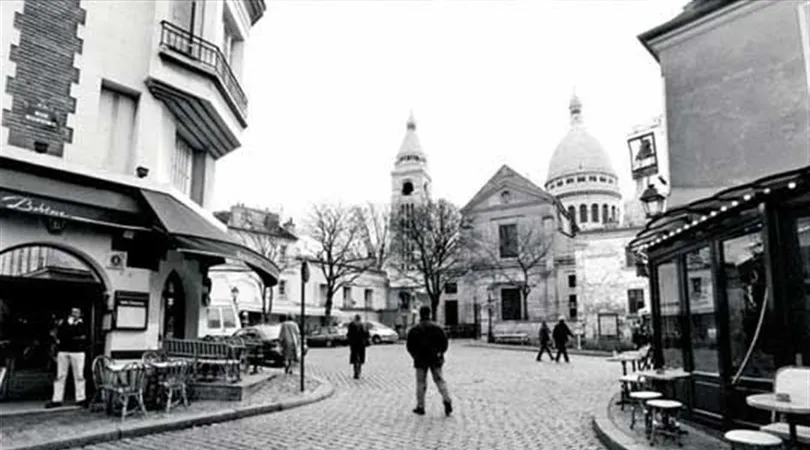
671 315
750 307
635 300
802 315
228 318
702 310
213 318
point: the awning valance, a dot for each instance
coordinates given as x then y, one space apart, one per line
702 213
191 233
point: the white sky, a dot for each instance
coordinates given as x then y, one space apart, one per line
330 85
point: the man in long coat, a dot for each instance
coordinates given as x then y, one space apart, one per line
290 338
358 337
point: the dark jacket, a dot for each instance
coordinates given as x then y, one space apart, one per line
72 338
561 333
545 335
357 335
427 344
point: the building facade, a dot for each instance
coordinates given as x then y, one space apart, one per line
114 115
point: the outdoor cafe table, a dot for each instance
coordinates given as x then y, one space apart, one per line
155 371
624 358
668 376
791 409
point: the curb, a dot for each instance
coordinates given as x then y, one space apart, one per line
529 348
124 430
609 435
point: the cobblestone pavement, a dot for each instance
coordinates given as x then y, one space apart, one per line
502 400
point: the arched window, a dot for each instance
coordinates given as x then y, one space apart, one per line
174 308
595 213
605 218
613 213
572 212
407 188
583 213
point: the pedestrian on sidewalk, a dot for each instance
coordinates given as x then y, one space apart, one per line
71 341
545 342
290 338
427 344
358 337
561 334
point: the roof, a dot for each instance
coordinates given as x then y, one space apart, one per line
705 212
692 11
410 143
503 176
579 152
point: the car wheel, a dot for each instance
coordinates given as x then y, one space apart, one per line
376 340
328 343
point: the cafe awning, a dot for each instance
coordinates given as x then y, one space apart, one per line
194 234
702 213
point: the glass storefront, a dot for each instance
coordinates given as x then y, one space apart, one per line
671 315
700 291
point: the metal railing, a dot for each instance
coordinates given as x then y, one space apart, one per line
207 54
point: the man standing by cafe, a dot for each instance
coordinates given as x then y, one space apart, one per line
71 342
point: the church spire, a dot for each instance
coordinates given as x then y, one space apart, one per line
411 125
575 107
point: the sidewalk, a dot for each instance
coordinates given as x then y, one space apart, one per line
529 348
78 427
612 426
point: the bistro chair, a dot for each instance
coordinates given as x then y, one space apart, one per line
741 439
103 381
664 415
130 385
175 380
639 404
628 383
151 356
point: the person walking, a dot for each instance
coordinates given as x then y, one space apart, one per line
71 341
358 337
427 344
561 334
545 342
290 338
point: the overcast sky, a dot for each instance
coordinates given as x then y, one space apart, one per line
330 85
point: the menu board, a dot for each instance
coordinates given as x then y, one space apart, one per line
608 325
131 310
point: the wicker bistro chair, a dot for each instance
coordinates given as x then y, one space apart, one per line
103 381
129 384
175 379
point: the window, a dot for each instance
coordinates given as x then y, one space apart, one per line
580 179
347 296
368 298
282 288
605 218
629 258
572 213
572 307
613 214
635 300
214 321
116 127
602 179
572 281
228 318
595 213
508 240
559 183
181 165
701 311
803 276
591 178
451 312
510 304
407 188
583 213
451 288
569 181
672 315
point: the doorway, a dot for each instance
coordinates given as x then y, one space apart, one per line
451 312
38 287
174 308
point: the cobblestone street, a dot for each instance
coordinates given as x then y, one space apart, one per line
502 400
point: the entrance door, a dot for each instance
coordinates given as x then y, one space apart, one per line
510 304
451 312
174 308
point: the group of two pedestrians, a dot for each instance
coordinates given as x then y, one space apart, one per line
426 343
560 335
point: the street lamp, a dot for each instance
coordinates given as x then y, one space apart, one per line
653 202
490 308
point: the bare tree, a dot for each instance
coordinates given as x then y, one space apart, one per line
342 255
521 259
374 221
428 239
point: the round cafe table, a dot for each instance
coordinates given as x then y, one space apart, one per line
791 409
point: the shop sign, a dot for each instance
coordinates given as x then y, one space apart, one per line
643 155
130 310
29 205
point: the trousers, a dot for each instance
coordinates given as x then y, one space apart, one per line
421 385
75 361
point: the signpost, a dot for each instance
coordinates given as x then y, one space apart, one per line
304 280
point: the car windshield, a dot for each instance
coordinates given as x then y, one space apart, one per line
268 331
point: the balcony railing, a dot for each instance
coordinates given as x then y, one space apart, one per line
206 54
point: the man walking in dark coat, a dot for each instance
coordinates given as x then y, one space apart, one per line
358 337
561 334
545 342
427 344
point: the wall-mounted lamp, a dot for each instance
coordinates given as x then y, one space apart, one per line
653 202
142 171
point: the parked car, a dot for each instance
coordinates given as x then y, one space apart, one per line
266 336
221 320
381 333
328 336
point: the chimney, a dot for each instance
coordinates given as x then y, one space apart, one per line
289 226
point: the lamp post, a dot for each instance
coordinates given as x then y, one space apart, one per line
304 279
490 308
652 201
